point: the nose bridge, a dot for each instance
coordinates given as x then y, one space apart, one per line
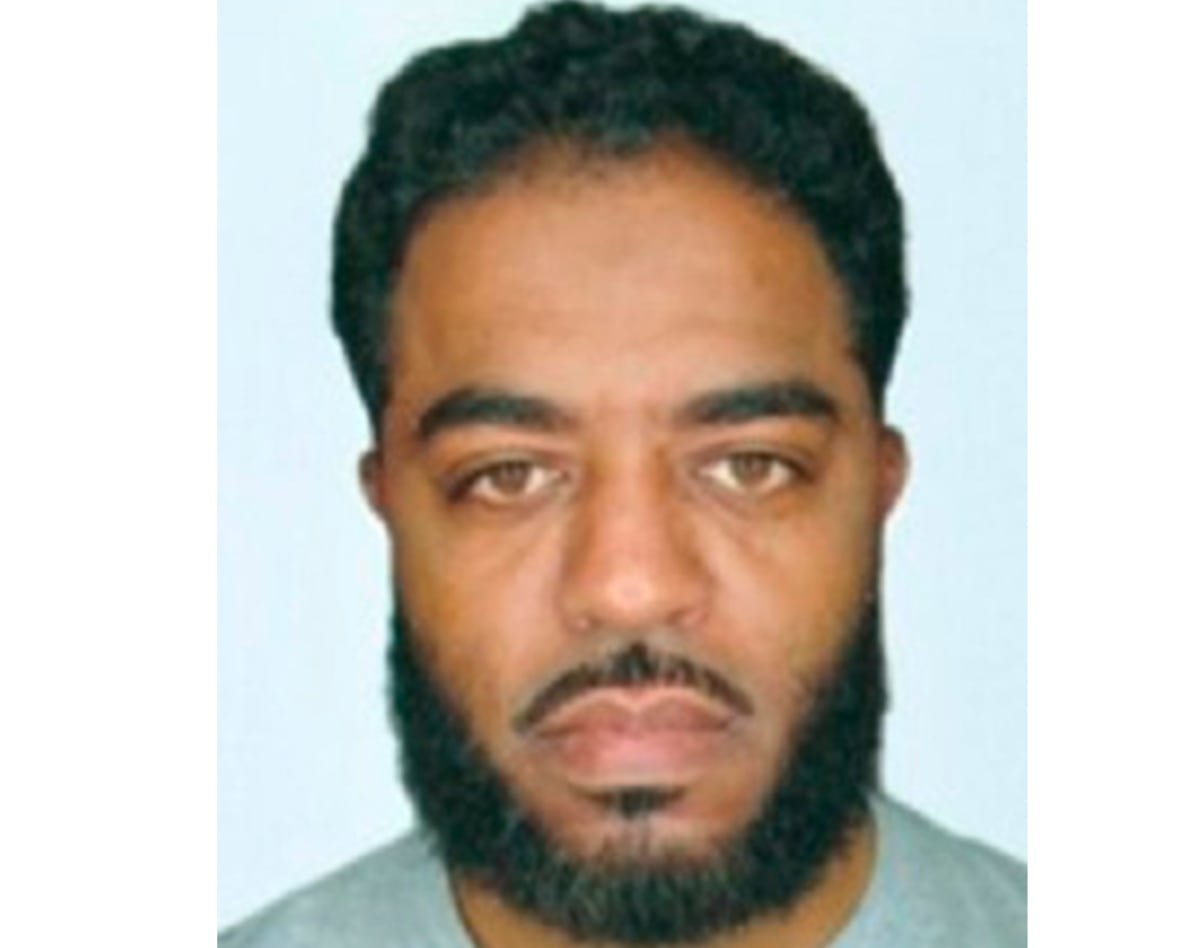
631 562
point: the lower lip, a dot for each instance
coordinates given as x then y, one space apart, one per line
603 757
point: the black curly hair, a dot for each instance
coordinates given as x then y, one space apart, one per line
614 84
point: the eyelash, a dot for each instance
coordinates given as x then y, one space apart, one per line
464 488
789 471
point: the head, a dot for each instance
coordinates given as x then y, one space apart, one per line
621 293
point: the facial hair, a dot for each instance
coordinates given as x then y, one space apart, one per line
484 834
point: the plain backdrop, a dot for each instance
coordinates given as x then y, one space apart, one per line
306 766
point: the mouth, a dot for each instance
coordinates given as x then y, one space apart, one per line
651 736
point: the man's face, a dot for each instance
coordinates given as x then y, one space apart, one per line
627 419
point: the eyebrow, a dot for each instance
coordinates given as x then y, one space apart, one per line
477 405
742 403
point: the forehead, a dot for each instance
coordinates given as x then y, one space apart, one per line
636 279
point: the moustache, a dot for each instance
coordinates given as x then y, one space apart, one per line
636 666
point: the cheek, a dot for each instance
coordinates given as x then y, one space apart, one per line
478 604
796 588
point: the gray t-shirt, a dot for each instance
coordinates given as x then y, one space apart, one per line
929 889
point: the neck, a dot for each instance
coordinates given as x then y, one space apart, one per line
813 920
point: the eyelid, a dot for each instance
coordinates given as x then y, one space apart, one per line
464 484
791 471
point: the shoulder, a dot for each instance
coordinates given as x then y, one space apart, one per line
934 887
924 845
396 892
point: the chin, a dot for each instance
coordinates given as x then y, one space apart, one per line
643 825
606 861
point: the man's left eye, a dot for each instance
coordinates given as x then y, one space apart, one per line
753 473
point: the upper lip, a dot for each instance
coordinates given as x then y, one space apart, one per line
660 707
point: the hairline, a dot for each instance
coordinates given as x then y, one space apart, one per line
581 159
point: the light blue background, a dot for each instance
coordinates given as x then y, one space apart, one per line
306 765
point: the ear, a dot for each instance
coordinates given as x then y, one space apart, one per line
893 469
371 470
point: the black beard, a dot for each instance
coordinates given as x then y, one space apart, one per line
485 835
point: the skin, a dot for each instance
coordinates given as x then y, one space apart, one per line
619 297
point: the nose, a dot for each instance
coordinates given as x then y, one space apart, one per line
632 563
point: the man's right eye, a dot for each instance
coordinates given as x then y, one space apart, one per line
507 482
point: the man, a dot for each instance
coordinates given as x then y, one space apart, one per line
621 293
